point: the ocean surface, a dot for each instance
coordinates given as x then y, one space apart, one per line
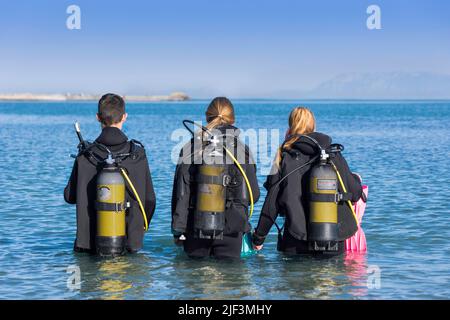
401 149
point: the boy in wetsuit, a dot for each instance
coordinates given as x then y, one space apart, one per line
81 188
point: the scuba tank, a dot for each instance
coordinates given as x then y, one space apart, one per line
212 179
324 196
323 208
110 206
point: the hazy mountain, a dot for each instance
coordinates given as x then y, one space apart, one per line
392 85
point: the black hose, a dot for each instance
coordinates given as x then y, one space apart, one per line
311 139
103 147
195 124
338 147
281 180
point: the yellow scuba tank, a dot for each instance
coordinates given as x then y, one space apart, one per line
212 180
324 196
110 206
323 206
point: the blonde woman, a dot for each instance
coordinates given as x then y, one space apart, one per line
220 120
290 197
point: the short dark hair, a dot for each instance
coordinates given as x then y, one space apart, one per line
111 108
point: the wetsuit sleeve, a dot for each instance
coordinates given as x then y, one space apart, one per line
70 191
270 209
150 197
180 199
250 171
351 180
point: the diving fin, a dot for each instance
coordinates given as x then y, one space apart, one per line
357 243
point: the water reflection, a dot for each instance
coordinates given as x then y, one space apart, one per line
356 269
38 257
113 282
314 278
323 278
213 279
114 278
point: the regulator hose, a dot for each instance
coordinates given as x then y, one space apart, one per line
137 198
245 178
341 182
280 181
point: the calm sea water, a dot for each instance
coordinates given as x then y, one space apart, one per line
401 149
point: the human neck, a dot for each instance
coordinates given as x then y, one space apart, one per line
116 125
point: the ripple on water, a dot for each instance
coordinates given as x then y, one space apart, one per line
406 222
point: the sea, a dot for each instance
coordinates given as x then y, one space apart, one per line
400 148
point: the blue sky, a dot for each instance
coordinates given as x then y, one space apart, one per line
252 48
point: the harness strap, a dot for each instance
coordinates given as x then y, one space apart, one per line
346 196
95 159
334 197
116 207
222 180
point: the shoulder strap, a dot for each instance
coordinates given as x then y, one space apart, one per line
85 149
133 151
135 143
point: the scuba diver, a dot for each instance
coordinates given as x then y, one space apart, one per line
215 184
313 188
111 186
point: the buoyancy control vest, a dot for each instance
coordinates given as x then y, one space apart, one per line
111 184
323 197
215 183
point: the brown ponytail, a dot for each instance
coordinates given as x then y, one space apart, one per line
219 112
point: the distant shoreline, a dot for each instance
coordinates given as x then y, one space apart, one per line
180 97
175 96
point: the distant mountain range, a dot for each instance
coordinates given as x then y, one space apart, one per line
383 85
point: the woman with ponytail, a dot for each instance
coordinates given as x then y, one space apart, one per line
290 197
220 120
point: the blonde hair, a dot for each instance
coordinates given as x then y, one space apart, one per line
219 112
301 121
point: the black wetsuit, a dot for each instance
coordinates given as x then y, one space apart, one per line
237 202
81 190
290 199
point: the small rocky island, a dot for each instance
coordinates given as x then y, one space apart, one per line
175 96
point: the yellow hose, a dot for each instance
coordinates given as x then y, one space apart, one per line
245 178
345 190
137 197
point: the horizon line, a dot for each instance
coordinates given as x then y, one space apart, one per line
237 99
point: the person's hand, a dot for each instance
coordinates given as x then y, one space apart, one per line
257 248
259 240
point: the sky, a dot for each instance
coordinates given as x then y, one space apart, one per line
242 49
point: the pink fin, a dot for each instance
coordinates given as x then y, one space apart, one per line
357 243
